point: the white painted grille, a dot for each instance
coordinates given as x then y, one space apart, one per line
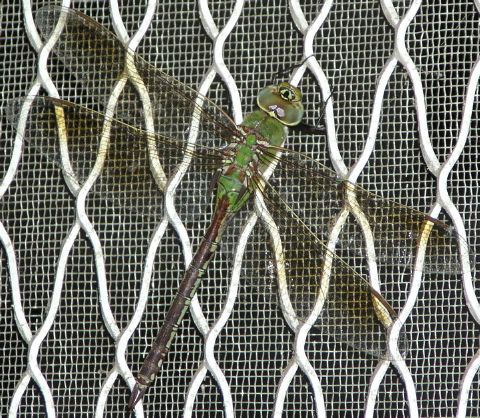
402 122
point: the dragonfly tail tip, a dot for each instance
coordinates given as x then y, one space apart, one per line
136 396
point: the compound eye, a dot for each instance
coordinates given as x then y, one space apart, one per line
287 94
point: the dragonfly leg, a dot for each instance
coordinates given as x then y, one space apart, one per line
284 71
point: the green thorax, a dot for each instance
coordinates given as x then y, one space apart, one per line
280 106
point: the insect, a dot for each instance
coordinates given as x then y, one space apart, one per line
318 278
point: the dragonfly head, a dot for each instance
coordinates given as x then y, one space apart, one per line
282 102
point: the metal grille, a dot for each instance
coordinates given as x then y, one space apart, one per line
75 317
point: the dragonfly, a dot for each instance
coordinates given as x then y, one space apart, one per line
123 155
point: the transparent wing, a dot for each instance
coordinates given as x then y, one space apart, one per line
97 57
395 229
317 280
306 201
132 165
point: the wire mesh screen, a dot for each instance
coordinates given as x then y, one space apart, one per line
87 274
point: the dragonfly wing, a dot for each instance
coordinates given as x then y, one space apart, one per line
97 58
319 287
312 209
395 230
85 143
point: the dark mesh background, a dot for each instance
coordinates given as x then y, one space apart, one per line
37 212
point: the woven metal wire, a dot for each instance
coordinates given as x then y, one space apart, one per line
84 290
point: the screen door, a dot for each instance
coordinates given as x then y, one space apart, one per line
87 274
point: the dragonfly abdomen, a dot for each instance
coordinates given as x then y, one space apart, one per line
181 303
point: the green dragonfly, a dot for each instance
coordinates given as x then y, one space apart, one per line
130 156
